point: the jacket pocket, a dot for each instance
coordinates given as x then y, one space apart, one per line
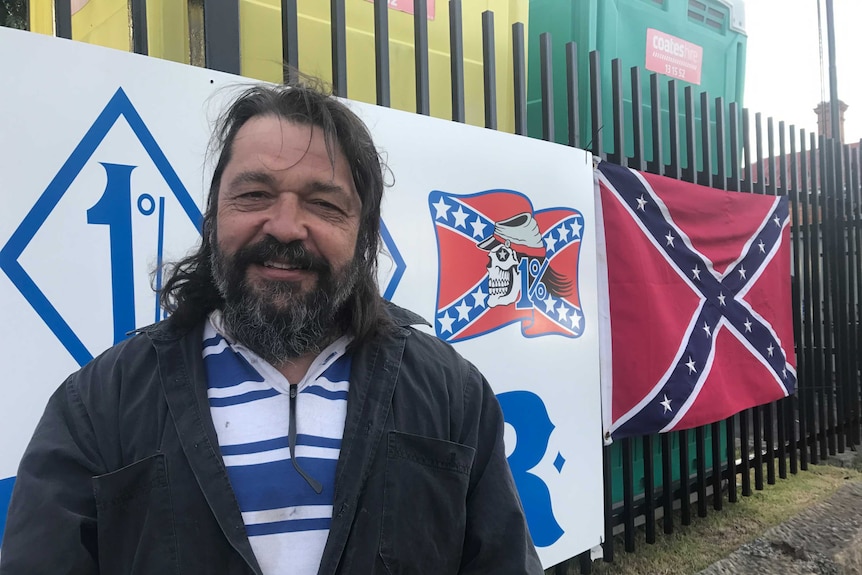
424 504
135 519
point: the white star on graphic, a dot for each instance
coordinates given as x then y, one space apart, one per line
741 271
549 304
641 203
770 349
669 237
562 312
784 373
446 323
747 324
464 310
666 404
479 297
550 242
460 217
564 233
576 320
695 273
690 366
478 228
707 329
576 229
721 297
761 245
777 221
442 209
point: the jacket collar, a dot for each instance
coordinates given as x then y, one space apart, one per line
183 378
403 317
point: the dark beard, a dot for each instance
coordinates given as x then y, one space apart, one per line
274 319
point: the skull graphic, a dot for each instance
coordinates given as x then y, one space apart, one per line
504 276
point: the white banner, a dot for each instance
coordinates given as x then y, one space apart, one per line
489 236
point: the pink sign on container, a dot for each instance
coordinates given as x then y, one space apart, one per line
407 6
673 56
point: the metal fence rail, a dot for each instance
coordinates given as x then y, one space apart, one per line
820 176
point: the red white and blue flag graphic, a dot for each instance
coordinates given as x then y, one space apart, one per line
699 302
502 262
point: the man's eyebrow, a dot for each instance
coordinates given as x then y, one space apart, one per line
252 177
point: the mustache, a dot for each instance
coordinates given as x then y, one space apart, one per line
294 254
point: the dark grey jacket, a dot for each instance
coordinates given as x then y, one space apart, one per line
124 475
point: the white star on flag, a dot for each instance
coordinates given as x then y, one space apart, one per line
747 324
770 349
562 312
550 242
550 302
442 209
576 320
707 329
777 221
666 404
478 228
463 310
761 245
741 271
576 229
690 366
669 237
721 298
479 297
446 323
695 273
460 218
564 233
642 203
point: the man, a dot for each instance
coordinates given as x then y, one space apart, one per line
284 419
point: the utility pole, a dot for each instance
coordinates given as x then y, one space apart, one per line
833 74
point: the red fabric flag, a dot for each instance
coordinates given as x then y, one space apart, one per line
699 302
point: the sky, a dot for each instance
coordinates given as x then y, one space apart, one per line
783 77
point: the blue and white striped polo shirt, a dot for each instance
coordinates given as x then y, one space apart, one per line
286 521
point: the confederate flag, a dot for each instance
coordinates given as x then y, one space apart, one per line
698 284
502 262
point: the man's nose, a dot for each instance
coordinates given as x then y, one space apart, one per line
286 220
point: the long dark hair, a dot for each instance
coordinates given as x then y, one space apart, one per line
190 293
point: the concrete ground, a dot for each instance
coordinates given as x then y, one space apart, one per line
825 539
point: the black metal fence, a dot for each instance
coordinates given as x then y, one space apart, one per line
821 177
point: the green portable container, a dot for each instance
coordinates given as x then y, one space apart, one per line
665 33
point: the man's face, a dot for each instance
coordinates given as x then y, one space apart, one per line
286 228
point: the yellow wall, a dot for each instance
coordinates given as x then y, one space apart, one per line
260 22
106 22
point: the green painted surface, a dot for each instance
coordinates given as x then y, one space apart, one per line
638 460
618 29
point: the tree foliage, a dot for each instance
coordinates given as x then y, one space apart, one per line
13 14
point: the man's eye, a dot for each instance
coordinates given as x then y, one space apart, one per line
327 205
253 195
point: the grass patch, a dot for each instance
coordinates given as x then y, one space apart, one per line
694 547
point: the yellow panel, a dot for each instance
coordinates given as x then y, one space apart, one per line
260 32
106 22
168 29
42 16
260 39
103 22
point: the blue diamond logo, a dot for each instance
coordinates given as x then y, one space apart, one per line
118 107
